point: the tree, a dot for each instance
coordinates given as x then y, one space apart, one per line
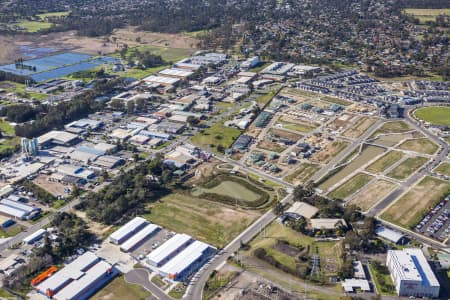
140 104
117 104
130 107
192 121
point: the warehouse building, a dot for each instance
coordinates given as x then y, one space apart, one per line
162 80
79 279
187 262
34 236
56 137
139 237
411 273
169 250
17 210
128 230
177 73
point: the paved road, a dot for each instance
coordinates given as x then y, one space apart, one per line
141 277
195 291
356 143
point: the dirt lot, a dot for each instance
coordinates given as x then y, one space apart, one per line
69 41
341 122
409 209
423 145
371 194
286 134
329 151
359 127
54 188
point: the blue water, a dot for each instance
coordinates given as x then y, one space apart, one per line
58 65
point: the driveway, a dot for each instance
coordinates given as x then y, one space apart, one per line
141 277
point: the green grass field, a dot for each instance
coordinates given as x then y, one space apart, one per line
20 90
351 186
232 189
216 135
168 54
138 73
118 288
385 162
422 145
6 128
407 167
443 168
393 127
383 282
34 26
265 98
205 220
437 115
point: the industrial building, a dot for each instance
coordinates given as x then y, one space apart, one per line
169 250
17 210
34 236
79 279
139 237
411 273
390 235
187 261
126 231
162 80
176 73
56 137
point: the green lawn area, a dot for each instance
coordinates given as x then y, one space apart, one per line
205 220
302 174
303 127
6 128
4 294
232 189
218 135
138 73
20 90
385 162
443 168
9 145
197 33
178 291
407 167
382 280
168 54
438 115
260 67
351 186
393 127
265 98
410 208
35 26
11 231
422 145
118 288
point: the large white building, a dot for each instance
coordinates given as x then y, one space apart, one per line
411 273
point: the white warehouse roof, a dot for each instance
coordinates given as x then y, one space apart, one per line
84 284
139 236
350 284
173 244
127 228
18 205
176 72
389 234
72 271
161 80
184 259
11 211
34 236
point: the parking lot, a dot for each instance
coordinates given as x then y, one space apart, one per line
436 224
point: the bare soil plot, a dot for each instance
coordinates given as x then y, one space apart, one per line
303 173
329 151
351 186
443 168
390 140
422 145
341 122
205 220
270 146
372 193
359 127
407 167
385 162
52 187
410 208
285 134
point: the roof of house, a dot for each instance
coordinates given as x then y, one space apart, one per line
303 209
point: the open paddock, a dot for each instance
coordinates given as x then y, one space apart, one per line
372 193
393 127
205 220
443 169
384 162
303 126
422 145
351 186
407 167
411 207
